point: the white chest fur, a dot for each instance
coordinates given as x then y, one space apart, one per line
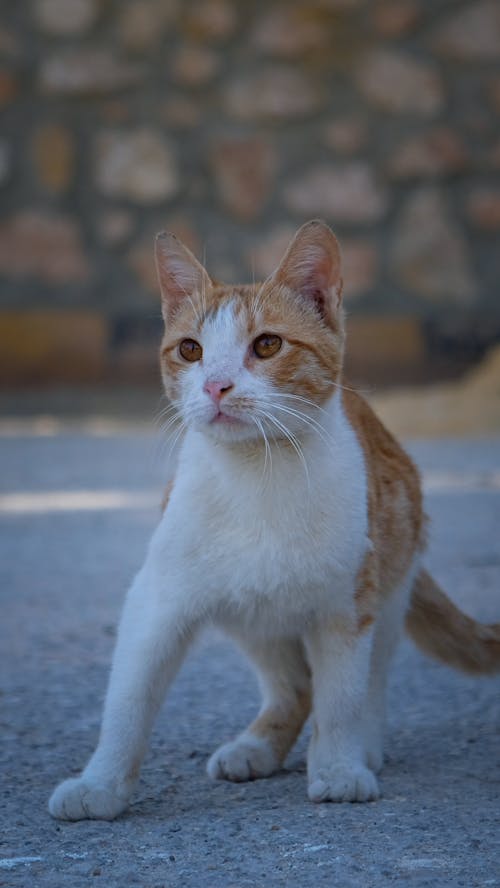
268 547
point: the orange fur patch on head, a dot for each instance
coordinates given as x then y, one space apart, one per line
311 363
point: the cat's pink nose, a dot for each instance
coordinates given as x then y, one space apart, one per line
217 389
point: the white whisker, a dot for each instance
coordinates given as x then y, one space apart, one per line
268 457
290 437
315 426
302 399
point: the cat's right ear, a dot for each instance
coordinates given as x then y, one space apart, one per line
311 267
179 273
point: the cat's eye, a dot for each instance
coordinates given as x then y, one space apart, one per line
267 345
190 350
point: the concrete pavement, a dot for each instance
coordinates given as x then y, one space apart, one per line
76 511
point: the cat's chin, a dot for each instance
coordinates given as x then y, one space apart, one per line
229 429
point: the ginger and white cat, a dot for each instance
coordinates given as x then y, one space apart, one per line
294 522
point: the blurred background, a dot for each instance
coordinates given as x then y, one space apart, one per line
231 123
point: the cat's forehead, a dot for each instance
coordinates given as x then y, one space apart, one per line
231 310
225 328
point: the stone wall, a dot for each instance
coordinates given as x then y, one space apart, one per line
231 123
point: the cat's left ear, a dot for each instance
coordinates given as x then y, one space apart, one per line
180 274
312 267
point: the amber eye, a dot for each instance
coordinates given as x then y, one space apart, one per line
267 345
190 350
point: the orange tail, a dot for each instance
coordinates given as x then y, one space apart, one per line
440 629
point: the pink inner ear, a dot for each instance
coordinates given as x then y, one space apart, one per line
179 273
322 273
316 295
314 273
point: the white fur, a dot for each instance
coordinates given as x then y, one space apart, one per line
267 547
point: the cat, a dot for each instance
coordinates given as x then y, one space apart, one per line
294 522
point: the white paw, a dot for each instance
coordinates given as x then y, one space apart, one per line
245 758
348 783
81 799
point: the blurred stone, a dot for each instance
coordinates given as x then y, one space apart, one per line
142 23
42 245
395 18
5 161
115 110
359 266
376 344
483 208
434 153
343 193
115 226
494 156
471 33
273 93
194 65
338 4
141 261
9 87
135 164
494 93
181 112
394 81
198 187
211 20
347 135
267 253
429 252
54 156
10 46
477 122
136 362
243 170
290 31
86 71
66 18
52 345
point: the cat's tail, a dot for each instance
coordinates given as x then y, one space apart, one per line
442 630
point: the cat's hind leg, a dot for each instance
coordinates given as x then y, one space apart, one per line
388 630
284 680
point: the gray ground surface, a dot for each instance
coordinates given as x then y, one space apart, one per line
64 568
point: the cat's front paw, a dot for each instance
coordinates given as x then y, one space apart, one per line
84 799
246 758
344 783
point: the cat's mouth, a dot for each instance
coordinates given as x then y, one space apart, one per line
222 418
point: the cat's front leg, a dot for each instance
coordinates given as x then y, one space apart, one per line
152 639
340 661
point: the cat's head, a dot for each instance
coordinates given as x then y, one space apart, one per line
238 361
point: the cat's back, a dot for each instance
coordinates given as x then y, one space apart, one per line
384 454
395 515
